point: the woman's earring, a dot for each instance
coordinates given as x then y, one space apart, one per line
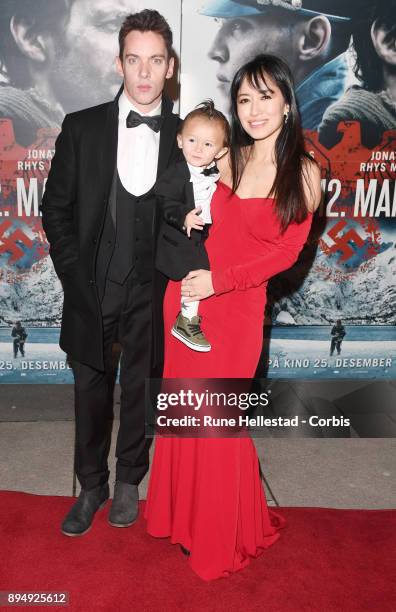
286 116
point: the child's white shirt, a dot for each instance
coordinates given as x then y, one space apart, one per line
204 188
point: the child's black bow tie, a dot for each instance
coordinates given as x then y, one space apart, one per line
210 171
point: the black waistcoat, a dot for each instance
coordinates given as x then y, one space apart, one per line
127 239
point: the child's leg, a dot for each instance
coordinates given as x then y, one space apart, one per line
187 327
189 309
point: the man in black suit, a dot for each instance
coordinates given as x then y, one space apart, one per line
101 216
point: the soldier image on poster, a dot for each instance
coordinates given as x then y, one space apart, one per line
337 335
56 57
19 335
373 101
311 35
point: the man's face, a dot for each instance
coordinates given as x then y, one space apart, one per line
144 67
240 39
83 71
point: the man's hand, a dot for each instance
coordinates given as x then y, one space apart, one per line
197 285
193 221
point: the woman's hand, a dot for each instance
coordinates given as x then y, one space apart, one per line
197 285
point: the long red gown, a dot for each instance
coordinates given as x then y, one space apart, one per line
206 493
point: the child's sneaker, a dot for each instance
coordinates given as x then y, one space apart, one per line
190 333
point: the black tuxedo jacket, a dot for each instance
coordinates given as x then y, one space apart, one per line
74 206
177 254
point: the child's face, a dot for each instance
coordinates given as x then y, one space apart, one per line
201 141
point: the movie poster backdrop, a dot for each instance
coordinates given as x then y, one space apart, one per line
346 272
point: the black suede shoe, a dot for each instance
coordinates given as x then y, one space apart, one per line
125 506
79 519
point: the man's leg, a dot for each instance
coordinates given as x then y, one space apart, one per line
132 451
94 391
332 347
135 337
94 418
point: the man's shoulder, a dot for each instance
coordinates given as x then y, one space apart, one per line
14 100
91 114
355 104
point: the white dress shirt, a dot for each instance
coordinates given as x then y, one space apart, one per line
204 188
137 153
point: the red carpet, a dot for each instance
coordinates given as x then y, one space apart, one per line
325 560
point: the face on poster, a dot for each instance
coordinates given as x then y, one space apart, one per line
232 33
224 44
58 57
85 64
329 47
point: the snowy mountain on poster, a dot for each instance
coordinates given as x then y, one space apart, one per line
34 297
367 297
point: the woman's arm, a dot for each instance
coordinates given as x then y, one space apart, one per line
281 256
284 253
200 284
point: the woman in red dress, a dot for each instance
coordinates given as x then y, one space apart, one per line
206 493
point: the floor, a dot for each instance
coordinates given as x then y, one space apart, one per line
358 471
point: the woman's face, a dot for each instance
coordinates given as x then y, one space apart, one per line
261 111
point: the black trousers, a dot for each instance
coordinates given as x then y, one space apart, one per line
126 313
19 346
335 344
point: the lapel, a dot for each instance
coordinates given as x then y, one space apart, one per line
167 134
110 144
184 175
190 195
109 149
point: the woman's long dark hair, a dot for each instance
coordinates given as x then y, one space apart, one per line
289 147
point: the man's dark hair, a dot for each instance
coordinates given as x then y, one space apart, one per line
206 110
43 17
368 66
146 21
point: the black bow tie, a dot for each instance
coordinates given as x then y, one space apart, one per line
210 171
134 119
